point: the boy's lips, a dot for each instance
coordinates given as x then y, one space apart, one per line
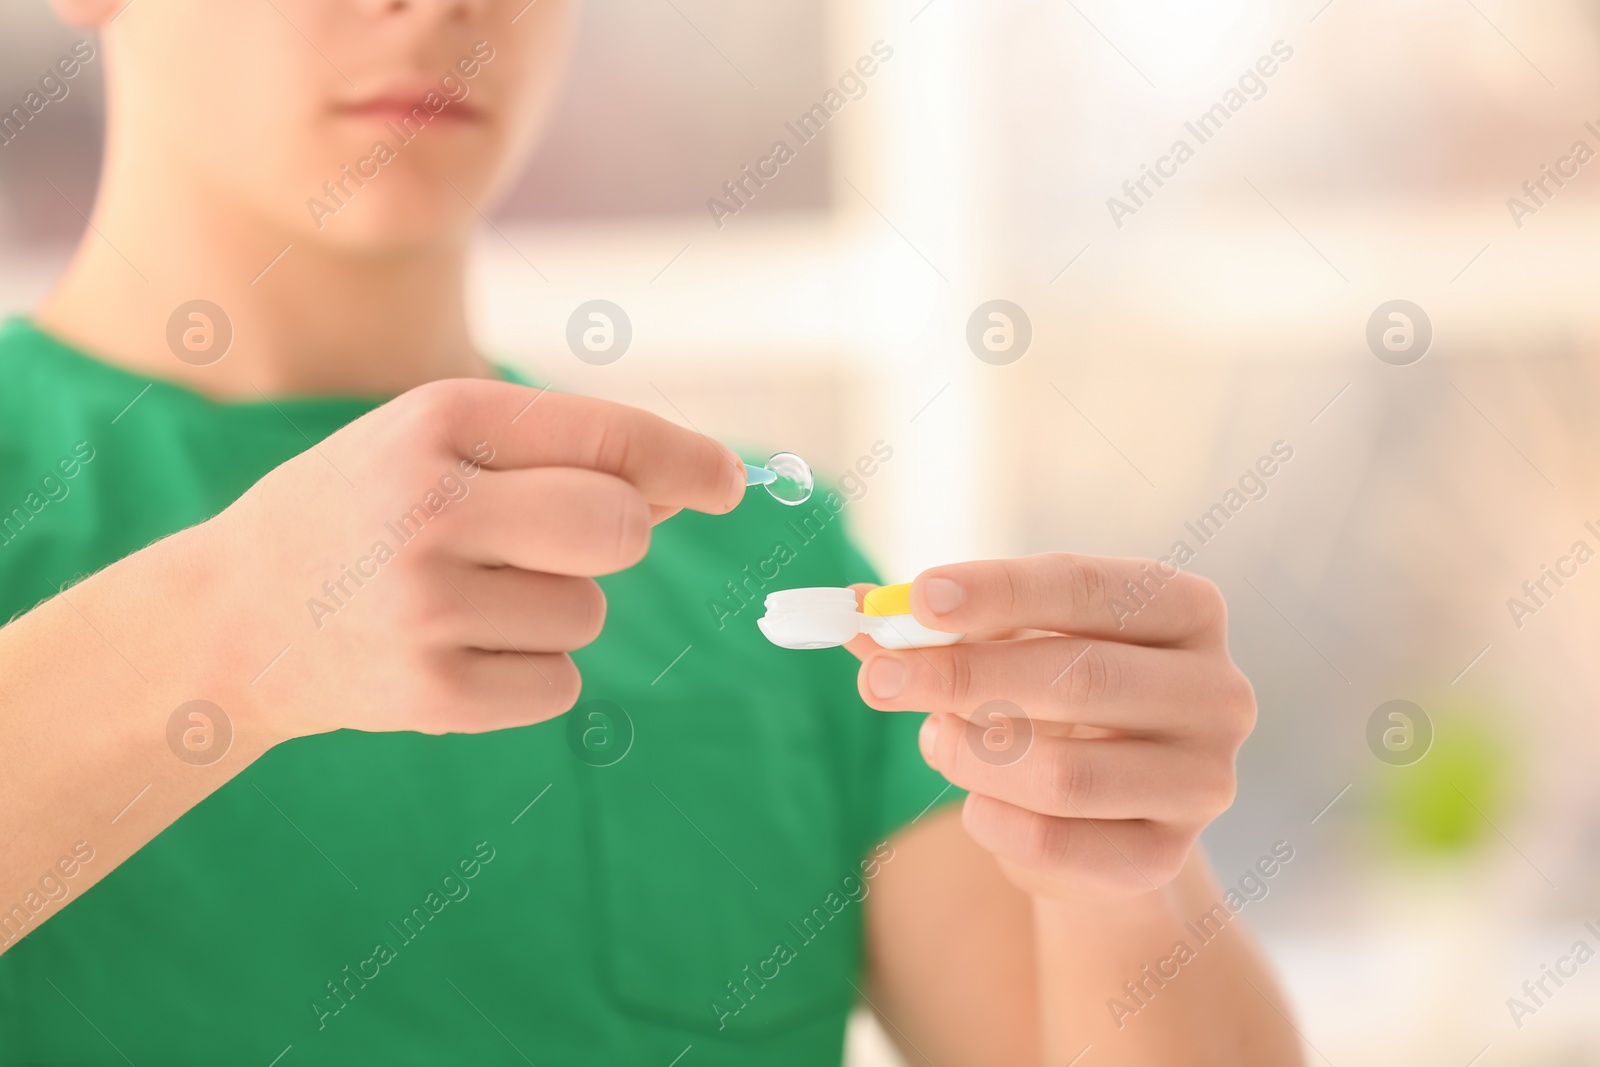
392 107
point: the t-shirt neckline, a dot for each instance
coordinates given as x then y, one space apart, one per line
89 368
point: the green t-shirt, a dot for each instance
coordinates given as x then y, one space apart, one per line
677 862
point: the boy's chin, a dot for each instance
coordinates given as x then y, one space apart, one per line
389 220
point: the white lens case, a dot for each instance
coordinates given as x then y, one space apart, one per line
825 617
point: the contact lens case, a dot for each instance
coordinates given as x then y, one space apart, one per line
825 617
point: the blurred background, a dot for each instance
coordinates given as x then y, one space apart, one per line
1171 343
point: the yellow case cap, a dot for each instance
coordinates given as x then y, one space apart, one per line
888 600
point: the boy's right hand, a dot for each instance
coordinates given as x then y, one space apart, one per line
458 529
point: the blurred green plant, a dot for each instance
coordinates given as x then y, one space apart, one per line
1444 803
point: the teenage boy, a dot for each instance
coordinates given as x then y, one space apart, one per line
300 727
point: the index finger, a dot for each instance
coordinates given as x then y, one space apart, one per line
1129 600
525 427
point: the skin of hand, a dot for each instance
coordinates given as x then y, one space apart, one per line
1072 864
1120 726
466 625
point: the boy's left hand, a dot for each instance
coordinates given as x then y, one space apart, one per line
1095 731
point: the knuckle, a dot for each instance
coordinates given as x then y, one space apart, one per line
426 610
611 448
1093 680
1046 842
1210 606
1071 779
630 525
431 404
1164 857
1008 572
419 568
438 684
1237 703
1165 572
1087 584
416 425
1221 790
962 768
965 687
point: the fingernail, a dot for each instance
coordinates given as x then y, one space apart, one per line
886 677
928 737
736 474
943 595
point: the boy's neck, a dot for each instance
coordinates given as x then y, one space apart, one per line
308 320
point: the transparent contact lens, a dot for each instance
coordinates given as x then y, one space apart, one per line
794 483
787 478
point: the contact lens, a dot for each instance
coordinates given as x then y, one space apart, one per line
787 478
